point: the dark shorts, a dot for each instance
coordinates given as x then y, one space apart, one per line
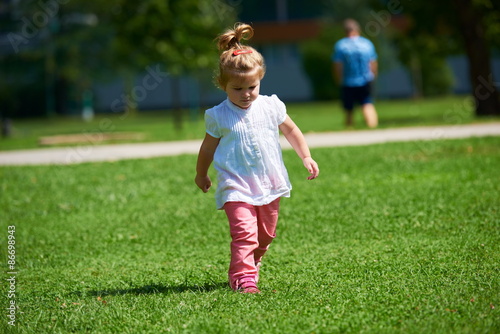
352 95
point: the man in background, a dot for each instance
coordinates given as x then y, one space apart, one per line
355 67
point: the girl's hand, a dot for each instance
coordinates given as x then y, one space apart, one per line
203 182
312 167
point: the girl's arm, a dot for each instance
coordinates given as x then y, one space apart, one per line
295 137
205 158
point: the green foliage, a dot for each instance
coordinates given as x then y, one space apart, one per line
424 46
427 63
394 238
21 94
80 41
429 39
176 33
317 63
340 10
491 13
437 77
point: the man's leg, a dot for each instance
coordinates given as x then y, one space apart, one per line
349 119
369 112
370 115
348 104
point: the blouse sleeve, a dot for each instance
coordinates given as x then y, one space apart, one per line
280 109
211 125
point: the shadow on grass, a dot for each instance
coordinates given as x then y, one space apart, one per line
160 289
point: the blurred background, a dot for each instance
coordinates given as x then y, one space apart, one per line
75 57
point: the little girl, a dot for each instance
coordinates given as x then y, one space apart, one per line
242 139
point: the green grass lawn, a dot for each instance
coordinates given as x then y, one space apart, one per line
393 238
311 117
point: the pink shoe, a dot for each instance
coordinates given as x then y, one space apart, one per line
246 285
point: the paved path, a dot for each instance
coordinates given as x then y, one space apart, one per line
92 153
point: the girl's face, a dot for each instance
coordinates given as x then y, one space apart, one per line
243 90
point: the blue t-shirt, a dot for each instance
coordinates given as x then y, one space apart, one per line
355 54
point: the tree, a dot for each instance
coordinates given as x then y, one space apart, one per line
471 18
176 33
440 28
81 40
316 61
55 51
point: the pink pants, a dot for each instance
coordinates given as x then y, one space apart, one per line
252 229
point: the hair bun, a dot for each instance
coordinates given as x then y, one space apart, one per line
232 37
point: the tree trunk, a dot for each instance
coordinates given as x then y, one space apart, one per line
472 30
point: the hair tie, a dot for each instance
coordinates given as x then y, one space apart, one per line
240 52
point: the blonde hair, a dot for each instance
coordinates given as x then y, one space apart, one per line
236 58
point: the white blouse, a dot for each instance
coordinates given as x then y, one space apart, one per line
248 159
